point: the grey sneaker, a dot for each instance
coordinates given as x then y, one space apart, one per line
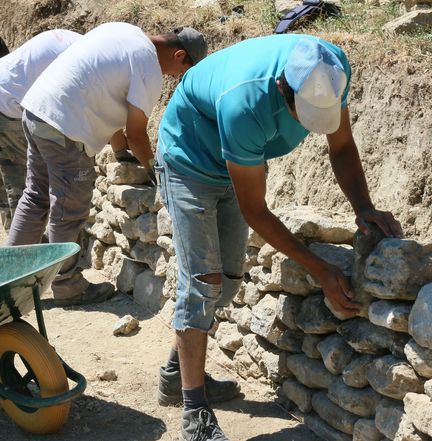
170 388
94 293
201 425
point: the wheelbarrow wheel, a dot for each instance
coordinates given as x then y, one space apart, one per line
30 366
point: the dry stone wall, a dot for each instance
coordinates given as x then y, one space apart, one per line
363 379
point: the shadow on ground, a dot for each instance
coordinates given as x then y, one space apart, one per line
94 419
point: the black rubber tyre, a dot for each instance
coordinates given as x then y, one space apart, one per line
45 377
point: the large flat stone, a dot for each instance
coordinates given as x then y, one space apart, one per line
354 374
314 316
146 227
332 414
287 308
397 269
245 365
126 173
367 338
228 336
299 394
420 318
420 358
361 402
263 318
309 372
390 314
393 377
410 22
336 353
388 417
153 255
323 430
147 291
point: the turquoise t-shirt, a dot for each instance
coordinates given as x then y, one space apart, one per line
228 107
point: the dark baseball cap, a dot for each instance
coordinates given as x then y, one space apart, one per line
193 42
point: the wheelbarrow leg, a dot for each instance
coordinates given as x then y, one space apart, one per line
38 309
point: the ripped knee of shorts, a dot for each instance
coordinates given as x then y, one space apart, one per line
230 286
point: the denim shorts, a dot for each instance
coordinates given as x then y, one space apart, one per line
210 236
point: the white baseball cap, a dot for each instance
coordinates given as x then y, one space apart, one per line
318 79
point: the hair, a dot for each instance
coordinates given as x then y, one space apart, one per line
287 91
3 48
173 41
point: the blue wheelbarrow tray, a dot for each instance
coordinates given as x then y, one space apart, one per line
25 273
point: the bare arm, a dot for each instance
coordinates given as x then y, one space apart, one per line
250 188
349 173
118 141
137 137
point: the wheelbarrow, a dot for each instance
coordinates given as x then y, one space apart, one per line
34 388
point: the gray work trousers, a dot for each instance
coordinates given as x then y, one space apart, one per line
59 186
13 158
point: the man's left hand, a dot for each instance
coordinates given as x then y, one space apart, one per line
384 219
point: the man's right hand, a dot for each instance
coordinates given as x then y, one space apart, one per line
338 291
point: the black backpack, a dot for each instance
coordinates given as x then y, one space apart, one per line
311 9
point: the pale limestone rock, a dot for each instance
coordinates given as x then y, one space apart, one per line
393 377
311 373
164 223
114 215
243 317
354 374
389 314
252 296
97 250
335 352
166 243
388 416
367 338
412 21
315 318
170 286
332 414
265 256
135 199
283 6
251 259
225 312
103 230
420 358
124 272
104 157
125 325
287 308
407 431
299 394
229 337
102 184
91 218
420 318
289 276
361 402
263 318
245 365
167 311
397 269
255 346
255 240
314 224
239 297
153 255
147 291
323 430
365 430
98 198
126 173
264 279
428 388
274 362
122 241
111 254
419 410
309 345
146 227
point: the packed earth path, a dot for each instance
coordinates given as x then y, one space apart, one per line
127 408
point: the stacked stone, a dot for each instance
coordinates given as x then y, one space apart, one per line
362 379
129 230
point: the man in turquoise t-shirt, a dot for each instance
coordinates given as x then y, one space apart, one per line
237 108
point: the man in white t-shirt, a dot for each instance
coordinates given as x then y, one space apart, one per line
18 71
109 79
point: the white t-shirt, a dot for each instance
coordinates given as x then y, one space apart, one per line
85 92
20 68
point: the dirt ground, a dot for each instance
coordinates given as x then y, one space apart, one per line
127 409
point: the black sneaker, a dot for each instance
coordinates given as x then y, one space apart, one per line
170 389
201 425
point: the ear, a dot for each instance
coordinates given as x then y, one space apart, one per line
179 55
